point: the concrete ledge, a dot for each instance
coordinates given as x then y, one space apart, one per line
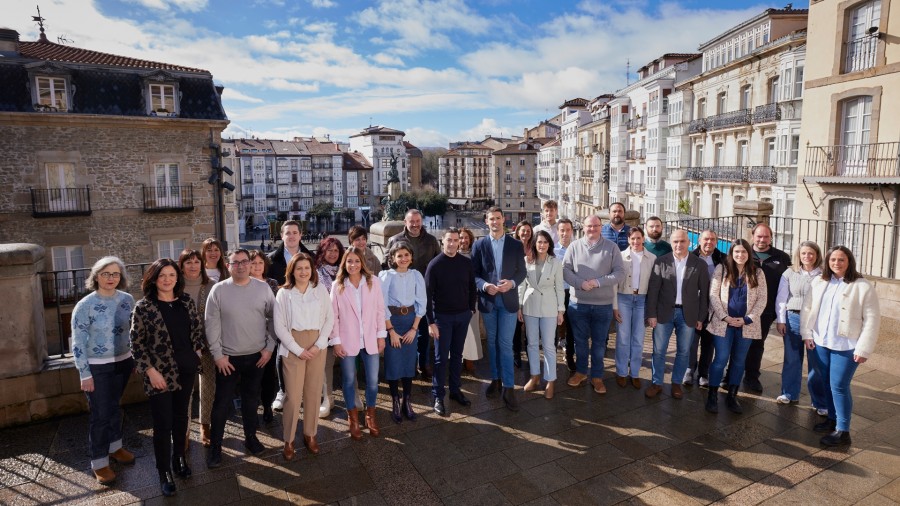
20 253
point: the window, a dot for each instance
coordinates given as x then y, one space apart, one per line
773 90
720 103
61 182
720 154
845 215
745 97
701 109
856 116
798 80
168 193
861 44
162 99
169 248
794 153
68 258
698 159
51 93
770 151
743 154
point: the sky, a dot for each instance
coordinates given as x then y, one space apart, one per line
440 70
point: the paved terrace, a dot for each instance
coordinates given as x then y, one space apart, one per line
580 448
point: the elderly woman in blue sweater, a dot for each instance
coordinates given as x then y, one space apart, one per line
102 351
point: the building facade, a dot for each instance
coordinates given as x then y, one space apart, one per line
379 144
574 114
592 161
466 177
516 166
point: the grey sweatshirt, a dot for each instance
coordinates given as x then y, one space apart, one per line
239 318
602 262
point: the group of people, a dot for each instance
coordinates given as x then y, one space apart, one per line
220 319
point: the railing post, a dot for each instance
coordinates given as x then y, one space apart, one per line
23 348
749 213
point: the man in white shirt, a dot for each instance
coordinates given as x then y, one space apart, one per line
550 211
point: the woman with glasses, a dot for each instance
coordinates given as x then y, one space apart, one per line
102 353
214 259
196 286
167 339
328 258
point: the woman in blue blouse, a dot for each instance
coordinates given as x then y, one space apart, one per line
405 299
102 351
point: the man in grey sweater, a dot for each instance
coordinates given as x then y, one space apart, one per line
592 267
240 332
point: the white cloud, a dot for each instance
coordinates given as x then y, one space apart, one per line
322 4
422 137
183 5
232 94
387 60
488 126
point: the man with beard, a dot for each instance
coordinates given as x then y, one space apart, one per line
655 243
617 230
709 253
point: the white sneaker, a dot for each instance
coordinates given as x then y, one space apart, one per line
325 408
278 403
703 382
783 399
821 411
688 378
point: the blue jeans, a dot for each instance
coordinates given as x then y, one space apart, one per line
348 373
541 331
836 369
500 325
733 347
590 322
451 339
683 337
792 368
105 421
630 338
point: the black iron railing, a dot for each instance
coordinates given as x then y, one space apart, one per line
854 161
60 202
733 174
768 112
168 198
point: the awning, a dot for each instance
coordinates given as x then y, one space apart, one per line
458 202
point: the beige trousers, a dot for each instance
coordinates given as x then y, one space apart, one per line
303 384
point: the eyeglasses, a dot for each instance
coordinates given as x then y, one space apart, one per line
240 263
110 275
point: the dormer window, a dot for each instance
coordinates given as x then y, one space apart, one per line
162 100
51 94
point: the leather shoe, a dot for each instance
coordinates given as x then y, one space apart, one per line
621 381
509 398
826 426
836 438
677 392
460 399
253 445
598 385
753 385
310 443
289 452
167 483
577 379
493 389
652 391
439 407
636 383
214 456
268 415
122 456
180 467
105 475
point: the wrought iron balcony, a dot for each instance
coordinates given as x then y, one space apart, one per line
636 122
636 154
729 120
162 199
60 202
637 188
768 112
878 160
733 174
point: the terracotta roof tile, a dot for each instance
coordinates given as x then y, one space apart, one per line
50 51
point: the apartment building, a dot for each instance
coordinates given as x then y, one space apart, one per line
466 176
517 169
573 115
548 173
357 180
592 161
415 165
379 144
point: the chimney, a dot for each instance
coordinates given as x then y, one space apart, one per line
9 40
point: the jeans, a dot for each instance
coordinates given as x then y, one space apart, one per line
733 347
348 373
541 331
792 368
105 421
170 421
836 368
499 325
590 322
630 338
250 379
452 330
683 337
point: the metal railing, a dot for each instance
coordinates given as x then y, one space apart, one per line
634 188
637 122
768 112
859 54
636 154
158 199
854 161
733 174
60 202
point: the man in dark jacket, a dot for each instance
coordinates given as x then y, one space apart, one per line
710 254
291 244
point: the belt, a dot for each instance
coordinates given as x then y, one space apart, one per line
401 310
634 292
678 306
793 311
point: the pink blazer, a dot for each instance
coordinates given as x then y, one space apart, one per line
347 317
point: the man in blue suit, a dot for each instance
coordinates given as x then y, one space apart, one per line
499 262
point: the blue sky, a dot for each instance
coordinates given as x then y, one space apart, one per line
441 70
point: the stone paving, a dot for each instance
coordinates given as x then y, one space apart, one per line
579 448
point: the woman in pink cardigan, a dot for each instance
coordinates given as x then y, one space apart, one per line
359 330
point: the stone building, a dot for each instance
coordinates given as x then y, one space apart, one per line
415 165
516 194
378 144
466 177
574 114
591 191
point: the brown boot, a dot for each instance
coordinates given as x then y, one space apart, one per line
353 418
311 444
288 453
105 475
533 383
204 434
371 423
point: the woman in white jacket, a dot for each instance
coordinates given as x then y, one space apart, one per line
839 324
628 309
303 322
541 301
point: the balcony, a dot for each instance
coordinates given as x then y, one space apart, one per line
162 199
636 154
586 199
60 202
587 174
733 174
859 54
636 188
636 122
856 161
768 112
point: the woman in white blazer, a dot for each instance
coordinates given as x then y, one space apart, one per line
542 303
628 309
839 324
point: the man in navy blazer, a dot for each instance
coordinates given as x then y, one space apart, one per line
499 262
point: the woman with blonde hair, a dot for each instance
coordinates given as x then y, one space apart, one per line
303 321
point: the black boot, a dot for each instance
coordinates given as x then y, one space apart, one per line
395 409
180 467
509 398
731 400
407 409
712 400
167 483
836 438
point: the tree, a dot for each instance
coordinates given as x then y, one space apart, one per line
433 203
430 165
320 211
684 206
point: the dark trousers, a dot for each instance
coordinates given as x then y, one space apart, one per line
250 378
271 383
449 345
704 341
170 421
517 340
105 420
754 356
423 344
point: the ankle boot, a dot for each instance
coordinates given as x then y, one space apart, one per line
371 423
289 452
712 399
395 409
731 400
353 418
533 383
407 409
180 467
167 483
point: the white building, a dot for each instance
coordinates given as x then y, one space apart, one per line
378 144
574 114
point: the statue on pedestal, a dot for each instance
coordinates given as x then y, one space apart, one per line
394 206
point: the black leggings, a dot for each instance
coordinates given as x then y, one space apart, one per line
395 387
170 421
